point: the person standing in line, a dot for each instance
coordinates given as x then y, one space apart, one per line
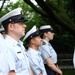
3 57
33 40
2 31
48 53
13 23
74 58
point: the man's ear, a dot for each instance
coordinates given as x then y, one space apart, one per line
10 26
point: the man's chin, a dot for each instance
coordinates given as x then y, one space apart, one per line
23 34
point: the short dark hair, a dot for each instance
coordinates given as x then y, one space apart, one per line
43 34
6 28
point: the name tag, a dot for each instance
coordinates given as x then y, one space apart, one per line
19 52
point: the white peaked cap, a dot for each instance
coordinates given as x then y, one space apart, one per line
45 27
2 29
15 15
31 31
14 12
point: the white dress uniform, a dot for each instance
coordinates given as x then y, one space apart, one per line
74 58
36 62
1 30
48 51
3 57
18 60
1 36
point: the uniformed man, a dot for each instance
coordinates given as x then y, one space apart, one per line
48 53
33 40
13 23
3 57
2 31
74 58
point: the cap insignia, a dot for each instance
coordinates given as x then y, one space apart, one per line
31 36
9 19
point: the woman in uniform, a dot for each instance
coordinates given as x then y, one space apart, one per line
33 40
48 53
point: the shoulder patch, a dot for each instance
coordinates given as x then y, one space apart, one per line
43 43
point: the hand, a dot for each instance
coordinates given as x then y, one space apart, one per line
60 73
12 73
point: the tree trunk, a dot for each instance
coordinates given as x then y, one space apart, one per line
54 12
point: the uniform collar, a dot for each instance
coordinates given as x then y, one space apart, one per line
45 41
13 41
36 52
1 35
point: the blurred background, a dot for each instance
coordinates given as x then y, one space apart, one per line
60 14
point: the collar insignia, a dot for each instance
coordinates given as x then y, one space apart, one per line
43 43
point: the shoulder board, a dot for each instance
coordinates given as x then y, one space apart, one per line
43 43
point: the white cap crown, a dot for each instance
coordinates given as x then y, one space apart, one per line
31 31
14 12
45 27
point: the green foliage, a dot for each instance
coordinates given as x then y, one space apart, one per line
68 71
63 41
68 6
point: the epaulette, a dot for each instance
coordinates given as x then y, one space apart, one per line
43 43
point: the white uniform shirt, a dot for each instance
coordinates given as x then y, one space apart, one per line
3 57
74 59
18 60
1 35
48 51
36 62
